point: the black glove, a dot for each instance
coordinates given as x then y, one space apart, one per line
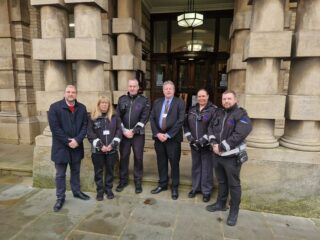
114 145
99 145
194 146
190 139
203 142
137 129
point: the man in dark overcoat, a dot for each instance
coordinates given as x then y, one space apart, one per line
68 123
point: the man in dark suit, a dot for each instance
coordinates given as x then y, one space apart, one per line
68 123
167 117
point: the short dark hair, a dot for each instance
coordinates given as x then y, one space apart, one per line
230 91
203 89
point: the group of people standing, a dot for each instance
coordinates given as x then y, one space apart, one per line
216 137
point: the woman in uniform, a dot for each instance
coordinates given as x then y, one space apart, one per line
104 134
196 129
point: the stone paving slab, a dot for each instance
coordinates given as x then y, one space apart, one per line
26 213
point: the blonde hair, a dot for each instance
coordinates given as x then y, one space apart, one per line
97 113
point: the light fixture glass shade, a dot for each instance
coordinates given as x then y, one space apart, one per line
194 45
190 19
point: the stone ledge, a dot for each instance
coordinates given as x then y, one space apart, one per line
59 3
263 106
49 49
128 25
303 108
125 62
268 44
240 21
50 97
102 4
87 49
235 62
307 44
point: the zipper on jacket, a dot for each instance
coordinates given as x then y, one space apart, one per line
105 128
224 119
131 102
197 127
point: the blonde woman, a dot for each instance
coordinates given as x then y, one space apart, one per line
104 133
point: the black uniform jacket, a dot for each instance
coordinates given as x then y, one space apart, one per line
64 125
197 122
108 132
229 127
134 112
174 121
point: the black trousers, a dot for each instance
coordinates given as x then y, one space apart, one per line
137 145
103 170
168 151
61 178
228 175
202 170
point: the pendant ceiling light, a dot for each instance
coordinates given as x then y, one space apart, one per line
190 18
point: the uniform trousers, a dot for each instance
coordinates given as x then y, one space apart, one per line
168 151
228 175
103 170
202 170
137 145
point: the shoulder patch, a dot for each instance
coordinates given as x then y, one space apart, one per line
244 120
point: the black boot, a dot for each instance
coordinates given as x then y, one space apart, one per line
217 206
233 216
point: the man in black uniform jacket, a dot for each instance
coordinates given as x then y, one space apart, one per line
227 132
166 119
133 110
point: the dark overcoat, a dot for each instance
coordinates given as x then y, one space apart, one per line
64 125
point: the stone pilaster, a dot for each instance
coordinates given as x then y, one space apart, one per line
89 49
18 122
239 32
302 129
50 49
130 36
266 45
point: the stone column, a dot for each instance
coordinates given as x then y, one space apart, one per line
9 114
239 32
89 49
51 49
18 122
130 36
266 45
302 129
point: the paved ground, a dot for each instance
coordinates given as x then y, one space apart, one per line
26 213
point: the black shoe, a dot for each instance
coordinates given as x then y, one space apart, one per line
121 186
158 190
232 218
99 196
110 194
175 194
217 206
58 205
206 197
81 195
192 194
138 188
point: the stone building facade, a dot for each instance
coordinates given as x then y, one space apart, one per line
99 44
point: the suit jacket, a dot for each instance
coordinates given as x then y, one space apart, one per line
174 121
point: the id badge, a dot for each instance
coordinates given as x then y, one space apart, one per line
106 132
164 115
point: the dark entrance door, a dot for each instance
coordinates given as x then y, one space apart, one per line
191 74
